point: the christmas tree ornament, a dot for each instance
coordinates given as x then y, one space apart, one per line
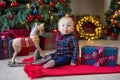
51 4
115 30
60 0
112 35
111 17
116 12
105 32
51 18
35 11
115 22
39 17
14 4
28 5
60 13
118 25
54 30
10 17
2 4
39 2
30 18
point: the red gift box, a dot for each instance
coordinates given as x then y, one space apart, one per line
49 41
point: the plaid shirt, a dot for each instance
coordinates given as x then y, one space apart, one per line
67 45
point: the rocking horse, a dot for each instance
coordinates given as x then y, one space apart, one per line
33 40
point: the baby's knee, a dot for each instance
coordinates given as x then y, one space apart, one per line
49 64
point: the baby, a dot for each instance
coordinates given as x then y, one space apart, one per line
67 51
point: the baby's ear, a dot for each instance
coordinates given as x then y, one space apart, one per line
58 28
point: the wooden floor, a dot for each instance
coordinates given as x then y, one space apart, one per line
17 73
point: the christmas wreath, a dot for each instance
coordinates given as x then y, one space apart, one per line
89 27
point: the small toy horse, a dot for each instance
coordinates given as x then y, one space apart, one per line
33 40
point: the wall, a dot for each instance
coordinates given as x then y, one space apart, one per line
91 7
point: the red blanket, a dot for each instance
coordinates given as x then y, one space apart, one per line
34 71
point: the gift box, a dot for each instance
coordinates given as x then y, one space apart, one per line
1 49
3 43
99 56
49 42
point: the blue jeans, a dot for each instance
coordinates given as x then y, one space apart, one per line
61 60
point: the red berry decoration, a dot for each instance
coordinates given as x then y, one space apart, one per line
51 4
39 17
2 4
115 22
14 4
30 18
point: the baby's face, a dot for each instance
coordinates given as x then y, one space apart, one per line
66 26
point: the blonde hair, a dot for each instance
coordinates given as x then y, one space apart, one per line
66 17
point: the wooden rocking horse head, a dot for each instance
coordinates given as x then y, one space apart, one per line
37 30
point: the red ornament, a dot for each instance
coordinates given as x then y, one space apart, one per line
39 2
30 18
118 25
111 17
60 0
105 32
112 35
10 17
116 12
115 22
2 4
51 4
54 30
14 4
39 17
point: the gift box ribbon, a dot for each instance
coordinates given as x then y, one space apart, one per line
97 54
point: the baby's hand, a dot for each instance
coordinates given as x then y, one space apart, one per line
73 64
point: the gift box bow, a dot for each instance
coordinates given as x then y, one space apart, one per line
97 54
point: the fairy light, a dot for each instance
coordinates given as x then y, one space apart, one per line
87 35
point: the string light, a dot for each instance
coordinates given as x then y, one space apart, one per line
88 35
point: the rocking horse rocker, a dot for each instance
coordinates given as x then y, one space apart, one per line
33 40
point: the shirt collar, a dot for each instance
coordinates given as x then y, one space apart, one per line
60 36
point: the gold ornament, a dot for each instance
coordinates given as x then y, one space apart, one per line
28 5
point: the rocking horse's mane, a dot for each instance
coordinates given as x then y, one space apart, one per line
34 31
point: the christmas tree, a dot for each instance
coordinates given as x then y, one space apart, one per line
16 13
112 17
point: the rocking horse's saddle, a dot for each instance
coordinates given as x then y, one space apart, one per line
26 42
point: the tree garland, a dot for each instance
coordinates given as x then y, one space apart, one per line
89 33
